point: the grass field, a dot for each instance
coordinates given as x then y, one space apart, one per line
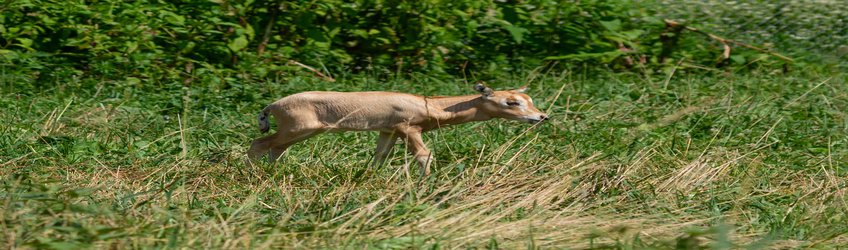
693 160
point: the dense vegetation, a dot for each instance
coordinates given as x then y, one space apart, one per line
127 122
186 39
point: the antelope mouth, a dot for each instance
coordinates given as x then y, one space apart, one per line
534 121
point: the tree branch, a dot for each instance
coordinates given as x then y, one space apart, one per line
267 35
314 71
725 41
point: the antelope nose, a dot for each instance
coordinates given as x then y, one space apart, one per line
543 117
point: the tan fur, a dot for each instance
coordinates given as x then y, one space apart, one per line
394 115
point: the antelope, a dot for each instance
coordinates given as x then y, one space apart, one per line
394 115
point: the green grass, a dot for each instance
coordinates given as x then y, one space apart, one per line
628 161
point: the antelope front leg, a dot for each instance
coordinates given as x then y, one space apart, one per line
385 143
419 150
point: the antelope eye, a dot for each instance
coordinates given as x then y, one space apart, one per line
512 103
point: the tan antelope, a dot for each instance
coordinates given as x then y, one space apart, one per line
394 115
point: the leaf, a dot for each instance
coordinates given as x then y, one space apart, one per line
632 34
238 43
10 54
25 42
360 33
131 46
460 13
471 28
132 81
516 32
740 59
333 32
188 47
248 29
613 25
172 18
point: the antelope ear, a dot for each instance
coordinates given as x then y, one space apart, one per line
486 91
522 89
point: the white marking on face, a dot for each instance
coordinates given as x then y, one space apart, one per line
525 103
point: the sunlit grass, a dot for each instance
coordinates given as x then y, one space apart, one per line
626 161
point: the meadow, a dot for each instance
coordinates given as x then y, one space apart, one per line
688 159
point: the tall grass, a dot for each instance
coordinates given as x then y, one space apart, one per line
631 161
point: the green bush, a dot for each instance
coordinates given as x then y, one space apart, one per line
188 39
117 37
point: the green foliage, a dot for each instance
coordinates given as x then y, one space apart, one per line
810 31
127 122
182 40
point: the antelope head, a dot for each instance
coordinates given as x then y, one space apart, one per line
509 104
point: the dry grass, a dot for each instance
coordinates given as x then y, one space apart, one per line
726 174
